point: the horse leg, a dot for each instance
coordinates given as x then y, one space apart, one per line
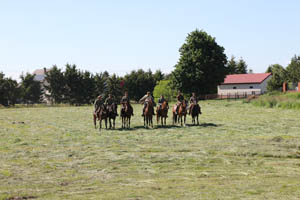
114 123
129 122
95 118
100 124
197 120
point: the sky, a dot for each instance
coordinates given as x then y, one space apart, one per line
121 36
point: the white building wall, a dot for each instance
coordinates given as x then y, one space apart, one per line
241 89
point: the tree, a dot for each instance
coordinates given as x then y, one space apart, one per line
114 86
231 66
101 83
164 88
89 86
241 67
31 89
54 85
158 76
201 66
279 76
293 70
137 83
9 91
74 85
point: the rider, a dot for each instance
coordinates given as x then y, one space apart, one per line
193 101
125 99
161 100
145 99
98 103
180 99
109 101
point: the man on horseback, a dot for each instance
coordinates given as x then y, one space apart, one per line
125 99
180 99
109 101
145 99
161 100
193 102
98 104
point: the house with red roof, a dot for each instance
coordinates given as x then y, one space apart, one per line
244 84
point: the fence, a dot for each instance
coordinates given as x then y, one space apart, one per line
229 96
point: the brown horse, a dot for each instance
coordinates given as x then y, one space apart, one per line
195 111
162 112
148 114
177 118
126 113
100 114
111 115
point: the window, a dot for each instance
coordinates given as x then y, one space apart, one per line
234 87
251 87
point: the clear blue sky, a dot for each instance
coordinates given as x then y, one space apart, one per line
120 36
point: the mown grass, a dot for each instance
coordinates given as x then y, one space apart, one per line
279 100
239 151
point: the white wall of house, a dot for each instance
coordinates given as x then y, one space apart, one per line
241 89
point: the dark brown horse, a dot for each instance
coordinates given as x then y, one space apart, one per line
195 111
126 113
162 112
111 115
177 118
100 114
148 114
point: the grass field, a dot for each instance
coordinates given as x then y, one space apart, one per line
239 151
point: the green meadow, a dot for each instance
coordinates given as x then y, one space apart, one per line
239 151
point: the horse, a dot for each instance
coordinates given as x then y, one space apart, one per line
162 112
101 114
126 113
111 114
148 114
195 111
181 113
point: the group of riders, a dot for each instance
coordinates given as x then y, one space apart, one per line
110 102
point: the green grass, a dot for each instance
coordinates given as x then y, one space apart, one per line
279 100
239 151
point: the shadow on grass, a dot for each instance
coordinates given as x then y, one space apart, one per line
205 125
163 127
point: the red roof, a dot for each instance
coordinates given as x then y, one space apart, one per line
246 78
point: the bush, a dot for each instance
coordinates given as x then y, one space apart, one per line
279 100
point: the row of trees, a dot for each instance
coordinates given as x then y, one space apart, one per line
201 67
82 87
28 91
280 74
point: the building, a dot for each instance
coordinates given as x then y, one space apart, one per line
40 77
244 84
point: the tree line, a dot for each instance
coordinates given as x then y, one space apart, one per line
202 66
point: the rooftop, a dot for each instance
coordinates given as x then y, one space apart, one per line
245 78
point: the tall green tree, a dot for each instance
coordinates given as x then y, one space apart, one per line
279 76
89 86
31 89
158 76
55 85
101 83
164 88
9 91
293 69
231 66
137 83
74 87
114 86
241 67
201 66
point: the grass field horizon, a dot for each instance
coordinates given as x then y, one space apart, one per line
239 151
